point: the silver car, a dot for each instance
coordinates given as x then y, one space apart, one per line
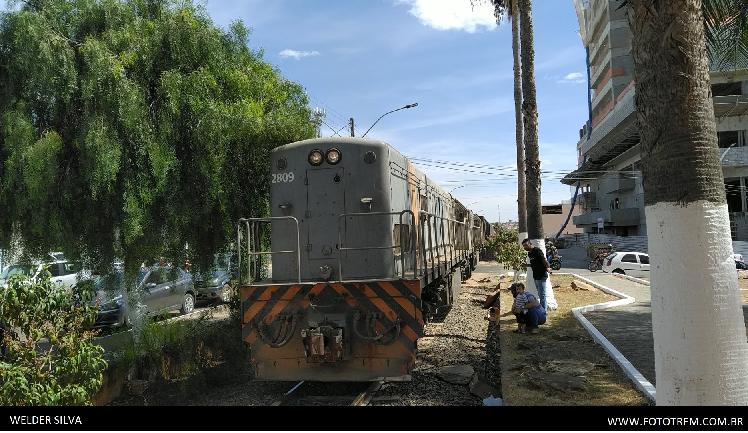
163 289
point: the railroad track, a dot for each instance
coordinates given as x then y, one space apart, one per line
335 394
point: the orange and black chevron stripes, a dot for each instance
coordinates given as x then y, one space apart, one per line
394 300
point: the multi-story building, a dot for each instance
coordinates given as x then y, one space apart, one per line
554 217
609 153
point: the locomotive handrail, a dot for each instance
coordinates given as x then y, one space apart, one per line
341 248
249 223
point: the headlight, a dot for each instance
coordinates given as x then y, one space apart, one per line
333 156
316 157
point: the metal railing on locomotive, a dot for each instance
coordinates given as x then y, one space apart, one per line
252 228
413 249
426 225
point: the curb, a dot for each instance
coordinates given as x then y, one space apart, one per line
640 382
630 278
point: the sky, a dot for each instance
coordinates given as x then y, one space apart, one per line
362 58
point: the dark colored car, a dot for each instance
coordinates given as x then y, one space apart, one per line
215 285
163 289
740 265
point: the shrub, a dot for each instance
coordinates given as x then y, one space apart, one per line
508 251
49 357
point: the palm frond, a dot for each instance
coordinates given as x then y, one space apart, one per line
501 8
726 25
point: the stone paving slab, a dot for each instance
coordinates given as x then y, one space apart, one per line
629 328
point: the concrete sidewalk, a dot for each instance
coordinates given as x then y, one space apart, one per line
629 328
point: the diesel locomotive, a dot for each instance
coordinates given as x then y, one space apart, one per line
363 249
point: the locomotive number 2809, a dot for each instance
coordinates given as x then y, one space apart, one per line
283 177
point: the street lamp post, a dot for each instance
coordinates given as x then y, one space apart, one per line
389 112
724 154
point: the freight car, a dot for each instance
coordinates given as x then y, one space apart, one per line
364 250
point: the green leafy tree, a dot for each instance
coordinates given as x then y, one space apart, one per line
48 354
130 128
508 251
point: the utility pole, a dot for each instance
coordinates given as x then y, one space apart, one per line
352 124
499 206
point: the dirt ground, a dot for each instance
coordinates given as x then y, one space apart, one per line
561 365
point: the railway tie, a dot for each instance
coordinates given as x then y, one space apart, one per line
364 398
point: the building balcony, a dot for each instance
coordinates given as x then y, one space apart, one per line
588 200
617 184
726 106
611 217
734 156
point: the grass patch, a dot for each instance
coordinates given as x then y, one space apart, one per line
562 365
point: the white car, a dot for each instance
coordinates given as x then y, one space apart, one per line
63 272
627 263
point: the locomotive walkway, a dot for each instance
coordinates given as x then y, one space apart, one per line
629 327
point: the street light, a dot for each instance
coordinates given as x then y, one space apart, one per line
724 154
389 112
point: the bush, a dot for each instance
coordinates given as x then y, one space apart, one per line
179 349
508 251
49 357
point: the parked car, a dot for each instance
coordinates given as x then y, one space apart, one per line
740 265
13 271
627 263
63 272
164 289
215 284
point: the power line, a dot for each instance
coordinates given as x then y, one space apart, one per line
510 168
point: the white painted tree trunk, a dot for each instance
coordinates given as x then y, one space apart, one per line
550 297
701 353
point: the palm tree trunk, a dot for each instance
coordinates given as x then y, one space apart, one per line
530 120
521 202
701 354
532 155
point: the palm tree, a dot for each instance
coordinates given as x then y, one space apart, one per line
510 10
527 128
530 121
701 354
519 134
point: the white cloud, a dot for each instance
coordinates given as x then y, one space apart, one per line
298 55
574 78
452 14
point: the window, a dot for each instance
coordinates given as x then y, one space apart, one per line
55 269
726 139
629 258
70 268
727 89
157 276
644 260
